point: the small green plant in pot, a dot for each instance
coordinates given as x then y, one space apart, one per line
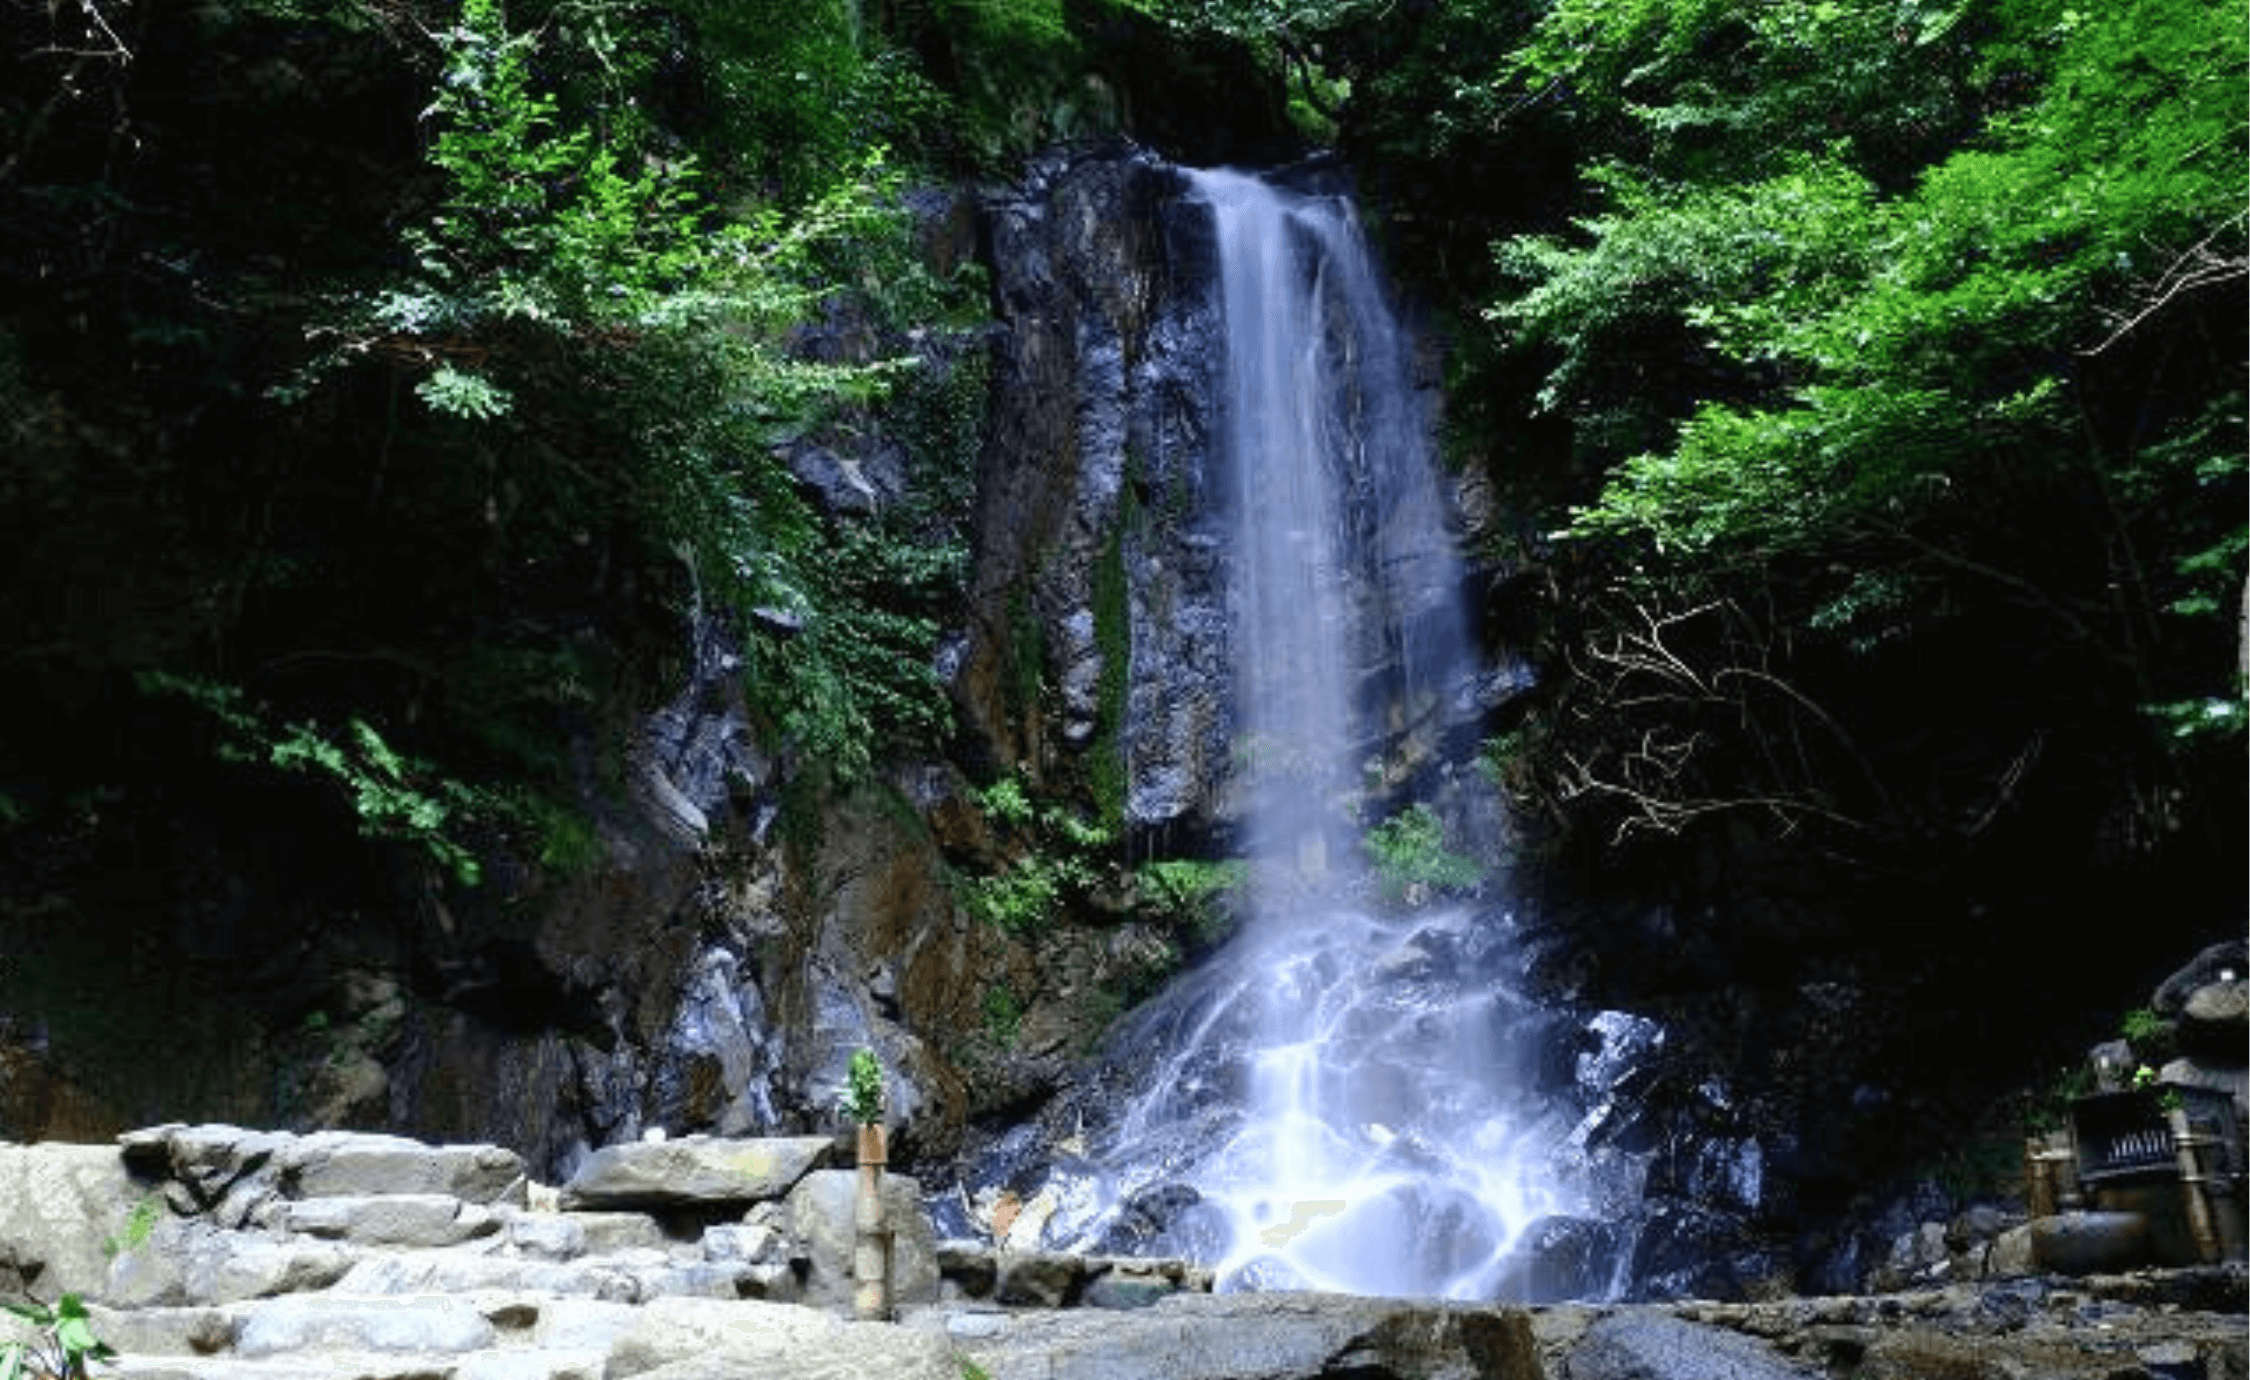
63 1347
871 1252
862 1100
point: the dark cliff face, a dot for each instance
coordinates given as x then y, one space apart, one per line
1093 492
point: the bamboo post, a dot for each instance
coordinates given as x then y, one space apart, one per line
871 1251
2187 1143
2038 1180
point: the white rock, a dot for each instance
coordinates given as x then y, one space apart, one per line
316 1322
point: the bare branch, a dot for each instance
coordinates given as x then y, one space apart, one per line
2197 268
1656 710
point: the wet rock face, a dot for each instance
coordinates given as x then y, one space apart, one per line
1093 535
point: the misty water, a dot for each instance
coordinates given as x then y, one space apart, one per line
1329 1101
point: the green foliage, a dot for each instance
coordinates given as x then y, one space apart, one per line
1509 762
1003 1015
1409 853
1713 89
541 220
1062 859
861 1100
2153 1039
1871 312
1861 330
1027 656
1193 894
849 670
395 796
1012 65
468 396
2050 1110
1986 1167
2142 1024
572 266
1023 898
1006 801
64 1347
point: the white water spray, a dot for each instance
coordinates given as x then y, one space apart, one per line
1336 1087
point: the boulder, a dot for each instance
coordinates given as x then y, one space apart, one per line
2013 1254
626 1278
2210 966
2233 1080
820 1214
1651 1346
698 1172
60 1205
1269 1336
316 1322
696 1339
2083 1243
236 1172
224 1267
194 1262
1123 1286
406 1219
1040 1279
2214 1021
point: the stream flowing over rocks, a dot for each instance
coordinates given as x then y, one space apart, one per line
218 1253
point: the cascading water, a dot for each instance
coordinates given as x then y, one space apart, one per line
1333 1106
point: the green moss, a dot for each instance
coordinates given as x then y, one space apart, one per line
803 818
1027 657
1106 774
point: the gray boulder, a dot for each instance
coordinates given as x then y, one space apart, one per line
2215 1020
221 1267
60 1205
700 1171
1651 1346
321 1323
1277 1336
425 1220
2208 967
235 1173
820 1215
2082 1243
698 1339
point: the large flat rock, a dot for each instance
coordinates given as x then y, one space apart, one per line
231 1168
695 1339
700 1171
1636 1346
1254 1337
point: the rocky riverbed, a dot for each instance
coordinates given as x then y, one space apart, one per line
217 1253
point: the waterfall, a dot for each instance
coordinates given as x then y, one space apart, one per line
1330 1101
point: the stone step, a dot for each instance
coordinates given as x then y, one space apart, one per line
215 1163
527 1364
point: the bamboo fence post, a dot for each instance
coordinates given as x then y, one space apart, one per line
871 1251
